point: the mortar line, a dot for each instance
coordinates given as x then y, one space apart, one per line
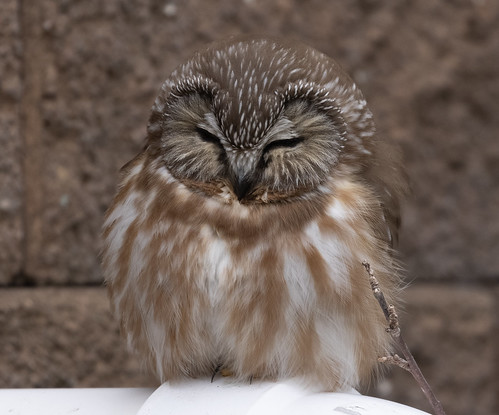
30 127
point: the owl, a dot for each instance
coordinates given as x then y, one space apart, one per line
237 235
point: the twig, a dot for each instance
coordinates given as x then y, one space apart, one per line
395 360
394 330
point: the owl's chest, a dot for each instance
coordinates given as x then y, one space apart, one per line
296 267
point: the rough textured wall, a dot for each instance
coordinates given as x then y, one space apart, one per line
11 171
77 80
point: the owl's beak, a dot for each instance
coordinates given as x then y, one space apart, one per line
244 176
243 186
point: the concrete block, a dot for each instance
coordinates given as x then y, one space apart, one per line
63 337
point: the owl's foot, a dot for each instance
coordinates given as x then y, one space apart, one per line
223 371
226 372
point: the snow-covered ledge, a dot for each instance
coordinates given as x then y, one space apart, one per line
196 397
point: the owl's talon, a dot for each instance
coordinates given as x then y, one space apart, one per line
217 369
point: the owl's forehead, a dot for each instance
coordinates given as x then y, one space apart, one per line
250 78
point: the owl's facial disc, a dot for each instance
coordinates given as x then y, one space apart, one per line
277 157
291 158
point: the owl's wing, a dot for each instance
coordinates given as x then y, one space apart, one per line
389 180
391 219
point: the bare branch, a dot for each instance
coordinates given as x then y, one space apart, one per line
394 330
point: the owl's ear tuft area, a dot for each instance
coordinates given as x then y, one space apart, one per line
317 96
171 94
196 84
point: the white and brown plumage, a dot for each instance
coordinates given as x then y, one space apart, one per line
237 235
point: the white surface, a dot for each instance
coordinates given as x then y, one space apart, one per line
225 398
198 397
119 401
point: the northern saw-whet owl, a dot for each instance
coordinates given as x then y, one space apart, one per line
237 235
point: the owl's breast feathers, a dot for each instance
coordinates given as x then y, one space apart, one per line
265 290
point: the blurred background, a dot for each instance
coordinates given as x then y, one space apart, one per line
77 81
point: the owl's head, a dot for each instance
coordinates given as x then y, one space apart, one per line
264 120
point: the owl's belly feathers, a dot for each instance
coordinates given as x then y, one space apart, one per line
277 309
274 305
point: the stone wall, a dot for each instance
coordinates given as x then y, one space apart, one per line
77 80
